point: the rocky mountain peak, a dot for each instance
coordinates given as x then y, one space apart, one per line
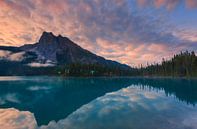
62 50
47 37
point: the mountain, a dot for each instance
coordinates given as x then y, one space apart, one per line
53 50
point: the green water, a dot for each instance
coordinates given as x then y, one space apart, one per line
103 103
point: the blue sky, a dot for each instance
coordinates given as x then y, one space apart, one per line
184 17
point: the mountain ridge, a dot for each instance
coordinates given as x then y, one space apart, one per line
61 50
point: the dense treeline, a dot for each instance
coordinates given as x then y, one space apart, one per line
94 70
183 64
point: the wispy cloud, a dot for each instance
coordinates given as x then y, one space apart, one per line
10 97
38 88
36 64
7 55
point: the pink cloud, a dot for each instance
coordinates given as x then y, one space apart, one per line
191 3
142 2
133 55
14 119
108 28
169 4
159 3
15 7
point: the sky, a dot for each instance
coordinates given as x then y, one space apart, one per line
133 32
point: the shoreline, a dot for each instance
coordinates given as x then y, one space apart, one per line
146 77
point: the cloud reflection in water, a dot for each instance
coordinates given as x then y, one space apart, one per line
129 108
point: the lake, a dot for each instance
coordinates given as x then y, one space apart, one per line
98 103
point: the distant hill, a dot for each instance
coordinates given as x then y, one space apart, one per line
50 51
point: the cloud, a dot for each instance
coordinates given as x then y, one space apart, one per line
16 56
14 119
37 88
89 23
191 3
4 54
137 53
127 103
8 55
187 35
190 122
22 8
10 97
169 4
10 78
35 64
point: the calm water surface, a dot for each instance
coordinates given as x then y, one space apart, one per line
100 103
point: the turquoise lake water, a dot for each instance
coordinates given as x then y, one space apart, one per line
103 103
